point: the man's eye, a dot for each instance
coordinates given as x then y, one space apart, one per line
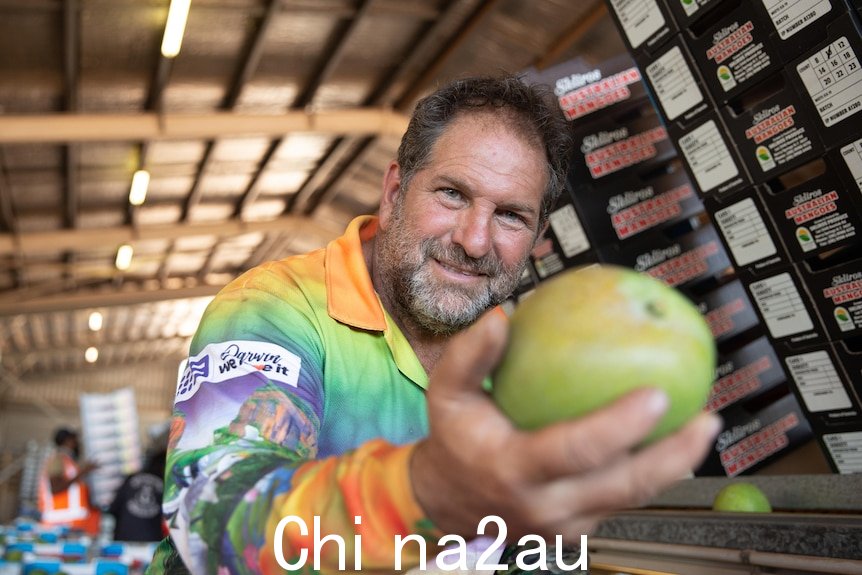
450 193
511 217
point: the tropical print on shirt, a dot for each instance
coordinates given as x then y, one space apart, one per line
300 397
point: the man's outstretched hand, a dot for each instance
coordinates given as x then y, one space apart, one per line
558 480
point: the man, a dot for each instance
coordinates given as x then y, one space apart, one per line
305 393
63 496
137 503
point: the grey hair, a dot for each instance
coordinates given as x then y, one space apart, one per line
530 109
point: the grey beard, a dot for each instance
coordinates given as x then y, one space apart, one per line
410 281
438 319
448 310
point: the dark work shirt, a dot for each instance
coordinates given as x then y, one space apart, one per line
137 508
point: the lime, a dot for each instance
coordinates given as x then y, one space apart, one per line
743 497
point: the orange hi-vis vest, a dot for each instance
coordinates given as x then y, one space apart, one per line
69 507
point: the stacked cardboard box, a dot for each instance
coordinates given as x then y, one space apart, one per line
583 92
630 202
111 438
763 100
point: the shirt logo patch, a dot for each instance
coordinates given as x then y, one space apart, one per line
219 362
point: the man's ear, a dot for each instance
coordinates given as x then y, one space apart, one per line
391 189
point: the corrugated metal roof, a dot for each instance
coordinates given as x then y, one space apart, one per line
64 206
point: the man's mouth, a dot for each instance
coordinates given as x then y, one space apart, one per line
458 270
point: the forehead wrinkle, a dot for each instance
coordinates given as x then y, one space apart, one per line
457 166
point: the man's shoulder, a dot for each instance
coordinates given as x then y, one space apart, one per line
277 301
54 463
297 272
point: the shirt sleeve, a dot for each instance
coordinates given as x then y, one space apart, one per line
243 452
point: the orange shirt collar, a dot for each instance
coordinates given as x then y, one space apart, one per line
350 295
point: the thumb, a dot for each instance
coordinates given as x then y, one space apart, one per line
470 356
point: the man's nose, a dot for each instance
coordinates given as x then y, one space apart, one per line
473 233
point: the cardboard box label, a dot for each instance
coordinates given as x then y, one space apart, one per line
727 310
737 55
733 387
633 205
609 152
833 79
845 293
570 233
818 381
752 438
546 261
852 154
690 258
639 19
781 306
693 257
678 267
720 320
563 244
789 17
778 137
708 157
758 443
674 83
583 88
743 374
818 218
589 93
745 232
648 212
846 450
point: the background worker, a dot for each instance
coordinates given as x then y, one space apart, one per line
64 498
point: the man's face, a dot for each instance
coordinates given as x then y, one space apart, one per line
74 446
455 243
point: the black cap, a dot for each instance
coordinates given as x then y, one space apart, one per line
62 434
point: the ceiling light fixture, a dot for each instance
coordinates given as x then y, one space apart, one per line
140 182
177 15
124 257
91 355
95 321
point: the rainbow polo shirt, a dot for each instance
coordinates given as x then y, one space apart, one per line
301 397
